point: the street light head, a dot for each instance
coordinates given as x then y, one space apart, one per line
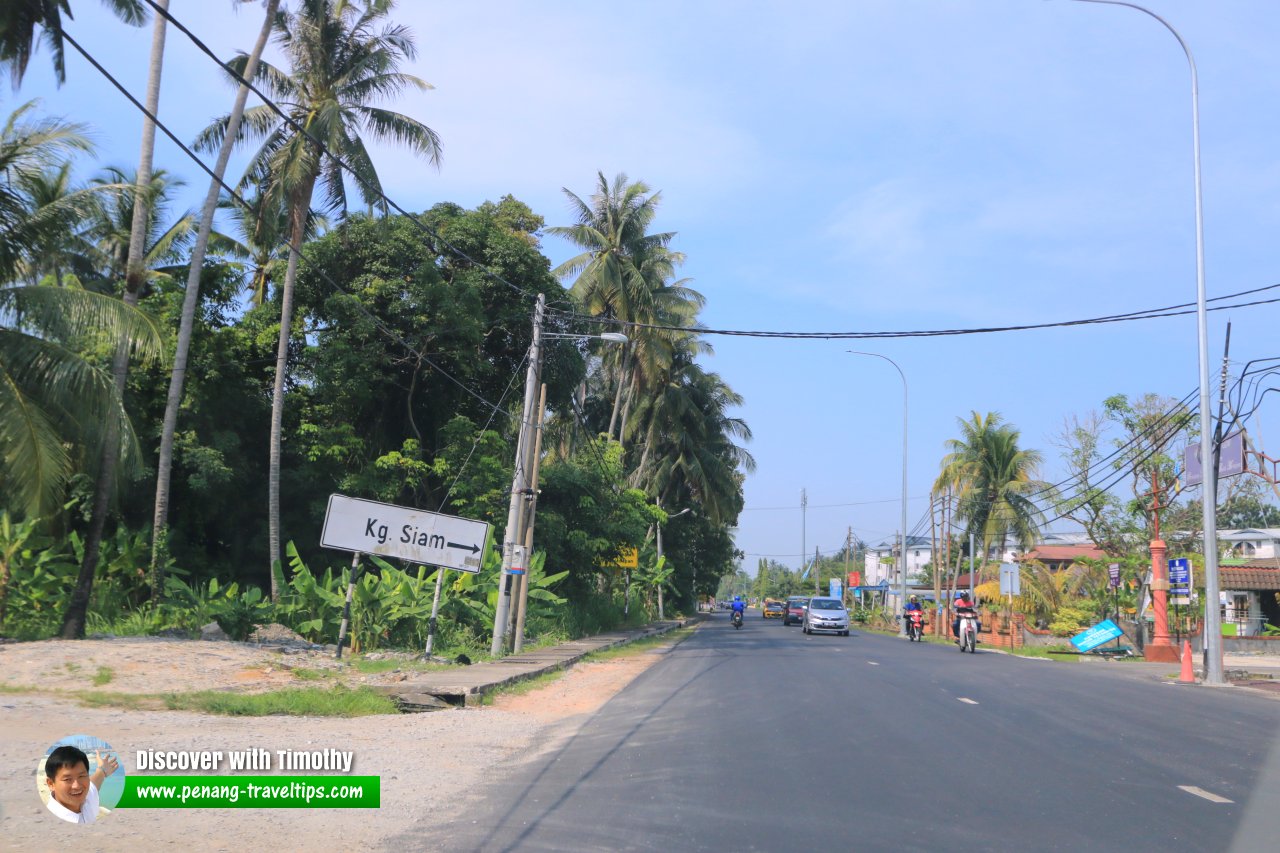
613 337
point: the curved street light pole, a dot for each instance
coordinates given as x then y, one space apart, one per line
902 541
1212 614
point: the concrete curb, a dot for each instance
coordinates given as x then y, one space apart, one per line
467 686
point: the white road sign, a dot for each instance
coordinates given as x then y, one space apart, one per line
413 535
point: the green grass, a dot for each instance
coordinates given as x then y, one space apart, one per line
302 673
103 676
291 701
128 701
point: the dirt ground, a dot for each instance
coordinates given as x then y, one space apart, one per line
430 764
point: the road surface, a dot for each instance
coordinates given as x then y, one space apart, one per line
767 739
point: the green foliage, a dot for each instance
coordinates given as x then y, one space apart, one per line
1071 619
237 613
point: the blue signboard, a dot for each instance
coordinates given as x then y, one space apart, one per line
833 588
1180 580
1103 632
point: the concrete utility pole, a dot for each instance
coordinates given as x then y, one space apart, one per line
514 555
804 505
522 581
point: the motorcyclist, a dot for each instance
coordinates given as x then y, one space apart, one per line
913 604
738 606
964 606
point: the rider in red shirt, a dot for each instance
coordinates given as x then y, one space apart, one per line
963 605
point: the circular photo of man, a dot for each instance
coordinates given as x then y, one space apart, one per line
80 779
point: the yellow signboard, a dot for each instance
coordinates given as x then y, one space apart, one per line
629 559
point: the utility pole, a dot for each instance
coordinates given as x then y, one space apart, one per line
971 556
522 581
804 505
514 555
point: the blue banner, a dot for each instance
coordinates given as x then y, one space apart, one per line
1104 631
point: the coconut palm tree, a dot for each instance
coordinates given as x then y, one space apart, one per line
191 300
134 281
34 156
343 59
622 265
51 399
994 482
261 248
690 450
20 20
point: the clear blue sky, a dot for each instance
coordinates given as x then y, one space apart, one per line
857 165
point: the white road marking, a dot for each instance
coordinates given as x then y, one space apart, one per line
873 663
966 701
1201 792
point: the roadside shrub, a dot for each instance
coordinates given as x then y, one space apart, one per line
1071 619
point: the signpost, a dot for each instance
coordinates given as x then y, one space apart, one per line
1010 585
1231 459
1180 580
1090 639
412 535
1113 572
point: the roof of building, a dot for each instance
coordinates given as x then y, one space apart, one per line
1250 578
912 542
1063 553
1249 533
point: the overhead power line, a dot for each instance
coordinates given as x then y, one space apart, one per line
1148 314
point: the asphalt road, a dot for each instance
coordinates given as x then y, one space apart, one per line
767 739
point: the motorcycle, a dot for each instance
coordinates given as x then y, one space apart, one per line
915 626
968 632
737 619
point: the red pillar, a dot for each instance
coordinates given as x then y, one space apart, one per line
1160 648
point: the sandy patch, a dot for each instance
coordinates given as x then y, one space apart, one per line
430 764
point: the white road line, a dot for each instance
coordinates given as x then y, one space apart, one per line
873 663
966 701
1201 792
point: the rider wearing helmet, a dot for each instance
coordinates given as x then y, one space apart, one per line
913 604
738 606
963 605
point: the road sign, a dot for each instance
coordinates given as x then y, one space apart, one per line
413 535
1104 632
1231 459
628 558
1180 581
833 588
1010 579
1113 571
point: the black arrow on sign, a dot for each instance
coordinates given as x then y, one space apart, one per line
472 548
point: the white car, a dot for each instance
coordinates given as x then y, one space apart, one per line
826 614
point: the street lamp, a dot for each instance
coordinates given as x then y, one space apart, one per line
661 614
515 556
902 548
1209 500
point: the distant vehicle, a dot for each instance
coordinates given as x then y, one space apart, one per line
774 610
794 614
826 614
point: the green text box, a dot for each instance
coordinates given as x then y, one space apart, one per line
251 792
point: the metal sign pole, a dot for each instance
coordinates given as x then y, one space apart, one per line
346 609
435 610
